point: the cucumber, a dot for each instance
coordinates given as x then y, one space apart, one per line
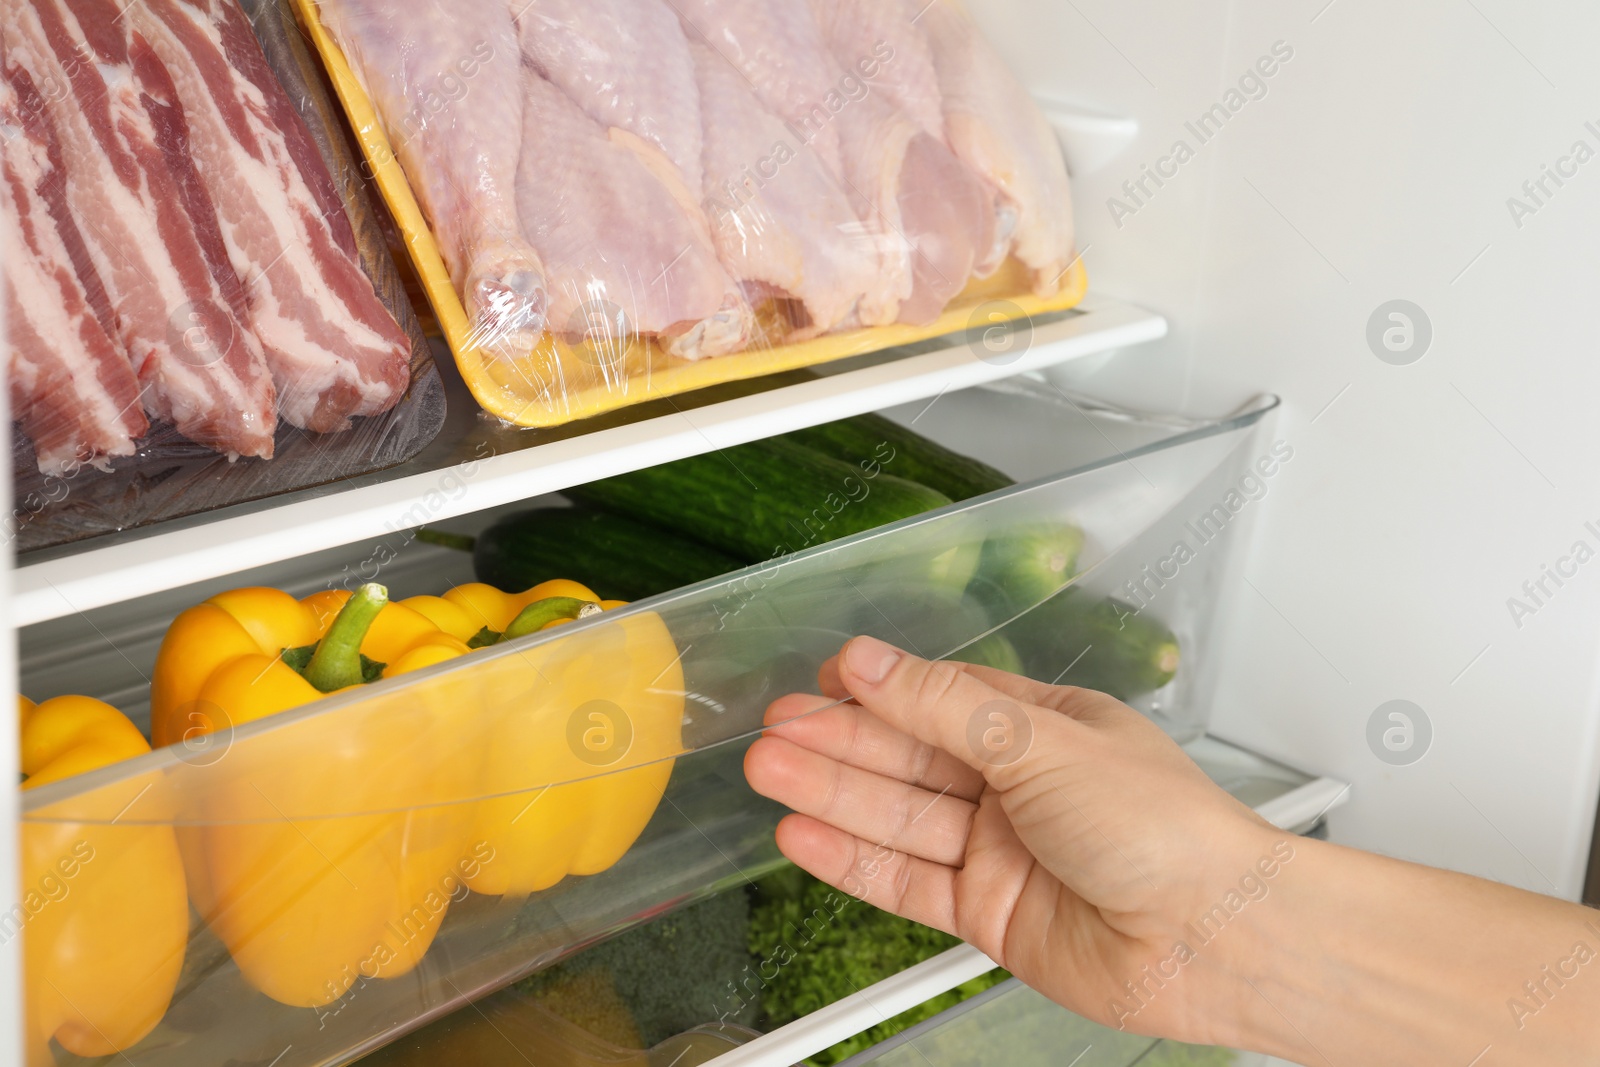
770 498
1107 645
1030 563
993 651
617 557
903 453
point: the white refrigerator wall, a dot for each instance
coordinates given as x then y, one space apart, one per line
1384 160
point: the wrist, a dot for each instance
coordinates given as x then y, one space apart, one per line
1249 906
1361 958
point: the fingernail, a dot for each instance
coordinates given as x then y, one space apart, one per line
870 659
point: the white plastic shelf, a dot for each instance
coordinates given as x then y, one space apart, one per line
477 463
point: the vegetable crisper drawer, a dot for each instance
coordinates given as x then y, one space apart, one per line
363 864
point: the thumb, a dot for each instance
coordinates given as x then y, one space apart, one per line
939 703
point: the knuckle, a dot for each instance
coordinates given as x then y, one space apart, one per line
919 763
937 685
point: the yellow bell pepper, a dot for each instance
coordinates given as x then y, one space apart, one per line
377 829
583 734
308 906
103 914
354 875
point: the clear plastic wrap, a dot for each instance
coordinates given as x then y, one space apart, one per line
609 201
201 306
364 864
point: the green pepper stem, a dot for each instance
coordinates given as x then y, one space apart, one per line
446 539
541 613
337 660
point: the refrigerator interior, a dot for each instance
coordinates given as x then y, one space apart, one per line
1438 467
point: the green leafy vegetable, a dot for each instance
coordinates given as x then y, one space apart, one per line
814 945
671 973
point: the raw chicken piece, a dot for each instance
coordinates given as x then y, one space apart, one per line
71 387
780 222
778 48
150 229
923 210
445 76
333 348
994 125
616 242
880 42
946 215
626 64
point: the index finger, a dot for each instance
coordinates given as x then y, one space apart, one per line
1067 699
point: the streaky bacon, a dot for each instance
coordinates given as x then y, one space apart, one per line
334 350
71 387
151 233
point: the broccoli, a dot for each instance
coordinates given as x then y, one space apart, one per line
671 973
813 945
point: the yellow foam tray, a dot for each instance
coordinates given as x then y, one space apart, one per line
557 383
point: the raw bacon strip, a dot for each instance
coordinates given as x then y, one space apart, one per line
446 78
179 308
71 388
333 348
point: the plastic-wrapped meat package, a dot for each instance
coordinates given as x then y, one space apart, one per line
994 126
57 315
446 77
184 283
921 206
152 235
333 349
794 238
625 255
714 188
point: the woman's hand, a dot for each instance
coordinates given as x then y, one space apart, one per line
1054 828
1075 844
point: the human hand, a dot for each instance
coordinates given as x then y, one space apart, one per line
1054 828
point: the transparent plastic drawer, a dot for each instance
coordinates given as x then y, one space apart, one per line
362 865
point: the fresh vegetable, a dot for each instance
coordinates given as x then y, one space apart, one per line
835 945
103 914
613 554
672 973
992 651
307 906
301 928
1107 644
904 453
1028 564
601 713
770 498
510 1029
